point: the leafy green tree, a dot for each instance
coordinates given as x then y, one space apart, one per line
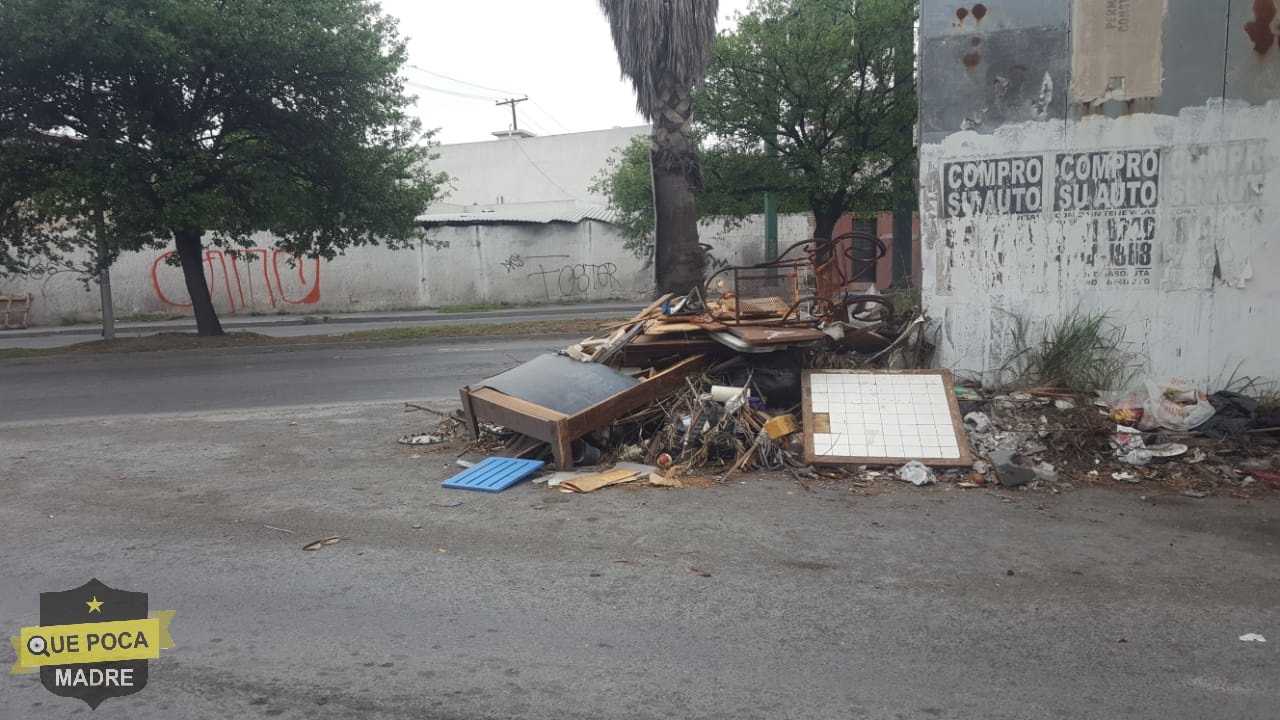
663 46
821 88
733 187
202 122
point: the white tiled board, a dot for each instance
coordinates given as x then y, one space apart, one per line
884 417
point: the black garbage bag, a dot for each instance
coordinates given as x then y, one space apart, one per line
1234 414
775 378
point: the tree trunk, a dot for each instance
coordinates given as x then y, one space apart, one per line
104 278
678 258
824 227
191 253
679 261
824 224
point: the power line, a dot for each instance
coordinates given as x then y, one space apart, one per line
464 82
536 125
519 145
431 88
549 115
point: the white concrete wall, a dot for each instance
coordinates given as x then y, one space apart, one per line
1185 253
517 264
525 170
556 262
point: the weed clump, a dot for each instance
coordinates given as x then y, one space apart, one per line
1081 352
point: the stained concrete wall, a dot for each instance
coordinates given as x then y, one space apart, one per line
517 264
1104 155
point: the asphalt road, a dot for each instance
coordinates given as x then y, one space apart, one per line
749 601
204 380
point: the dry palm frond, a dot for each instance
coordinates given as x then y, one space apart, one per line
661 43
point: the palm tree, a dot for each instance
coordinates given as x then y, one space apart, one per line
663 48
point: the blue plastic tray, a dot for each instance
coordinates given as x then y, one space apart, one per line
493 474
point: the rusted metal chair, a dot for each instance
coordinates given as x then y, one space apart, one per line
812 271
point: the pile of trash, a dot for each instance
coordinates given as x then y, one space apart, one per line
677 400
715 379
789 367
1168 432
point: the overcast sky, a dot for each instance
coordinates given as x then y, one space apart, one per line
558 53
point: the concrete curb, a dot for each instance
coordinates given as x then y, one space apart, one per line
426 317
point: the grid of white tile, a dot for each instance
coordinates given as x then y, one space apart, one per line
884 416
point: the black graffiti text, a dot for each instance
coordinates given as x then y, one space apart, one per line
579 279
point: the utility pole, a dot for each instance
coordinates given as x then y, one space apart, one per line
512 102
770 222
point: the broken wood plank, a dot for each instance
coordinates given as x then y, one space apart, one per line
669 328
512 413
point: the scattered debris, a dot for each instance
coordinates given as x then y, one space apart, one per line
977 422
696 571
917 474
410 407
1198 494
1013 469
591 483
1167 450
1045 472
781 426
421 439
1252 637
326 542
1137 457
789 367
270 527
657 480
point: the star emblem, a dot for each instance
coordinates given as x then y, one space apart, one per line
95 605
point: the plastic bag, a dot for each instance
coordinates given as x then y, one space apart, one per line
1174 404
917 473
1127 406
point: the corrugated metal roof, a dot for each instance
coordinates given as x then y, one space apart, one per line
537 213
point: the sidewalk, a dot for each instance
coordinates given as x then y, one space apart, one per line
295 325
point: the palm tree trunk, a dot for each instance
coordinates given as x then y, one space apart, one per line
678 258
191 254
679 261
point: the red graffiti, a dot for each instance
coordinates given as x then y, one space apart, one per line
243 291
